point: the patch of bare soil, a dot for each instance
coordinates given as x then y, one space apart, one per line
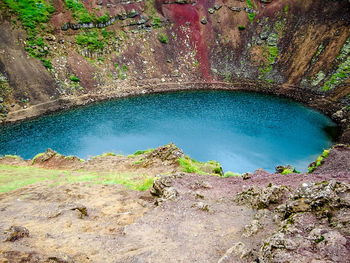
72 223
184 217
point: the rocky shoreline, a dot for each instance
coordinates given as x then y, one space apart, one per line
307 97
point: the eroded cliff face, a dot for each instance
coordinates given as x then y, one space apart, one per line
101 49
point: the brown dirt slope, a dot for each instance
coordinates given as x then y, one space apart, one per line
183 218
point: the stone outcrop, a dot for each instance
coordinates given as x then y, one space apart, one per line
313 222
260 198
162 187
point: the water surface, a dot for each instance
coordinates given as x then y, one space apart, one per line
243 131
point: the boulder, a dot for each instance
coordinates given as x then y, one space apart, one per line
261 198
162 187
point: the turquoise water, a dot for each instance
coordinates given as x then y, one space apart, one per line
243 131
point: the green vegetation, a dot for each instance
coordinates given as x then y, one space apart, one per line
79 12
345 51
13 177
137 153
319 161
342 73
12 156
286 8
271 51
150 10
121 71
190 165
287 171
240 27
163 38
5 88
90 39
156 23
69 157
33 14
74 78
37 156
343 69
47 63
231 174
318 78
318 52
319 240
103 19
104 154
251 16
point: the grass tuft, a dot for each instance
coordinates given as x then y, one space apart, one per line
231 174
319 161
190 165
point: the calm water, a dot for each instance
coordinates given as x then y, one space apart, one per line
243 131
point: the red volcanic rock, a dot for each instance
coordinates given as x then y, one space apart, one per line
187 15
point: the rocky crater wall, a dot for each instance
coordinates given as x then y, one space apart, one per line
101 50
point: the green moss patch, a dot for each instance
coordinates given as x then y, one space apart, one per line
343 69
13 177
341 74
190 165
163 38
319 161
34 15
137 153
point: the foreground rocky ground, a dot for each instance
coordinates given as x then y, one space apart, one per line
183 217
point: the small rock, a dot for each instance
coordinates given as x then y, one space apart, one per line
217 7
252 228
211 11
204 20
247 176
202 206
272 40
202 184
16 232
337 115
199 195
82 209
170 193
235 9
264 35
238 249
